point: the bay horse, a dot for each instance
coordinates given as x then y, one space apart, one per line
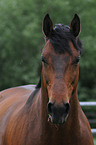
50 114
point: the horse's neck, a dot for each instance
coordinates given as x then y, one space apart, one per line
44 113
74 102
74 109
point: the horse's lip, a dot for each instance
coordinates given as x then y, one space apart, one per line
57 122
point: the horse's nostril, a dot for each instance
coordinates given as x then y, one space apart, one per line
50 106
67 107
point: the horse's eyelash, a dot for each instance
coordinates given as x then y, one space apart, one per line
44 59
76 60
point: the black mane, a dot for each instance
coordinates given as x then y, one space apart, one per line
60 37
39 84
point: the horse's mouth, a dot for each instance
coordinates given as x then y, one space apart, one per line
57 121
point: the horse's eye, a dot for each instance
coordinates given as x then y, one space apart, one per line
44 60
76 61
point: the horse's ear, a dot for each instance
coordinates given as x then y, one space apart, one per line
47 26
75 25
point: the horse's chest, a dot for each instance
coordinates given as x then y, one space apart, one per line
60 139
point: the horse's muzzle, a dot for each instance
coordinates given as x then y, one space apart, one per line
58 114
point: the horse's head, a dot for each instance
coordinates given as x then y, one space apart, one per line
60 66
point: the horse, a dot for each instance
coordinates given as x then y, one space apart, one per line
50 112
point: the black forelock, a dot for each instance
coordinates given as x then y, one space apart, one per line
60 37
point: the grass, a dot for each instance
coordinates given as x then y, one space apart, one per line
95 141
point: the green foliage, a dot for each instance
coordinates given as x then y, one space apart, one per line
94 141
21 40
19 43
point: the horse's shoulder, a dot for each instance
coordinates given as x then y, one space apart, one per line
19 120
11 101
13 98
85 129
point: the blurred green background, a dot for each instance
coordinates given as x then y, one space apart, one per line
21 41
